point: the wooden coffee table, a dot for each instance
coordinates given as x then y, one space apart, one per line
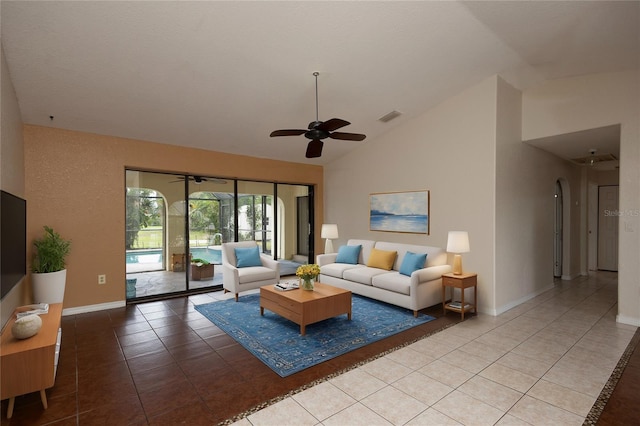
306 307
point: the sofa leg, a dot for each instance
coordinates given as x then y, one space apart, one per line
236 297
226 291
415 314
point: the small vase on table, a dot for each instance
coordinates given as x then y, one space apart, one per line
307 275
307 284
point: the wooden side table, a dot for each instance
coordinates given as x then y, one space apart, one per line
461 281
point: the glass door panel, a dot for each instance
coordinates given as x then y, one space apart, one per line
210 201
255 214
155 242
293 222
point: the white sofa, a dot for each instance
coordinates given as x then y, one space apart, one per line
418 291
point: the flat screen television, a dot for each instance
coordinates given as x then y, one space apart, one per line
13 241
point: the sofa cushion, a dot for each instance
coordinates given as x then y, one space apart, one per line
367 245
393 281
412 262
348 254
381 259
337 269
247 256
363 274
435 255
251 274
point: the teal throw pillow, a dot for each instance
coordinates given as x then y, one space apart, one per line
412 262
247 256
348 254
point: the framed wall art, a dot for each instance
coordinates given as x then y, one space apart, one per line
399 212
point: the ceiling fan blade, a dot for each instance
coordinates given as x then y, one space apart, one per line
333 124
347 136
314 149
287 132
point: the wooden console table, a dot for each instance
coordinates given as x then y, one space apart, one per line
29 365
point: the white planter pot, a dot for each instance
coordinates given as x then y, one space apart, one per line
49 287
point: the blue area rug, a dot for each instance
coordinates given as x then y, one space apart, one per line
277 342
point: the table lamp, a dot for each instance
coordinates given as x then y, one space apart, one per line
330 232
458 242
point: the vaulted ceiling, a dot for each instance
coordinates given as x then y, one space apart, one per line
222 75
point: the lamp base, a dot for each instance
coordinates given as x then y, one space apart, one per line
328 246
457 264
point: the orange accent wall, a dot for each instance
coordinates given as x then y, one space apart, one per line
75 183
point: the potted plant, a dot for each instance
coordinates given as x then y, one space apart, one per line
201 269
48 268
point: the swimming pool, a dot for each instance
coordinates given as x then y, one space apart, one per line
212 255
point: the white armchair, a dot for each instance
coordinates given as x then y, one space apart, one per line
236 279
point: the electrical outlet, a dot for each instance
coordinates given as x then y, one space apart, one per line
102 279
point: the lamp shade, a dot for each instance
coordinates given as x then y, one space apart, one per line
458 242
329 230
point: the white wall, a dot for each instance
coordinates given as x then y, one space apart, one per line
525 209
450 150
468 152
586 102
11 166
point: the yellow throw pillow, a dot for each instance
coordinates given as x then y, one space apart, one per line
382 259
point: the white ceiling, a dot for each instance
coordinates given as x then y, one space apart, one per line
222 75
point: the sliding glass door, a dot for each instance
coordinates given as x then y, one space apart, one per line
176 225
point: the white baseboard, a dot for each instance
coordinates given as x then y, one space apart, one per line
628 320
520 301
569 277
93 308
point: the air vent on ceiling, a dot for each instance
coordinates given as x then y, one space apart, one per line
592 159
388 117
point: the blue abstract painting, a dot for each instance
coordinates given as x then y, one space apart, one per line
400 212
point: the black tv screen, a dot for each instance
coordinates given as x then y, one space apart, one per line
13 241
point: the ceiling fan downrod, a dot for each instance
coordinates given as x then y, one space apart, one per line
316 74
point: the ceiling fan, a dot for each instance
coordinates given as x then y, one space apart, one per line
318 130
199 179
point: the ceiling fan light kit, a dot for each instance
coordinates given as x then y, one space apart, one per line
593 158
318 130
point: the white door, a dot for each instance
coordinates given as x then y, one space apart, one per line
608 228
592 220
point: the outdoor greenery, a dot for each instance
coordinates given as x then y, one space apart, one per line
204 216
51 252
210 219
144 208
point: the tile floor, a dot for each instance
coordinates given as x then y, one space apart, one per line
543 362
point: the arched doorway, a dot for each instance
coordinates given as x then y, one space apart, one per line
557 232
562 227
